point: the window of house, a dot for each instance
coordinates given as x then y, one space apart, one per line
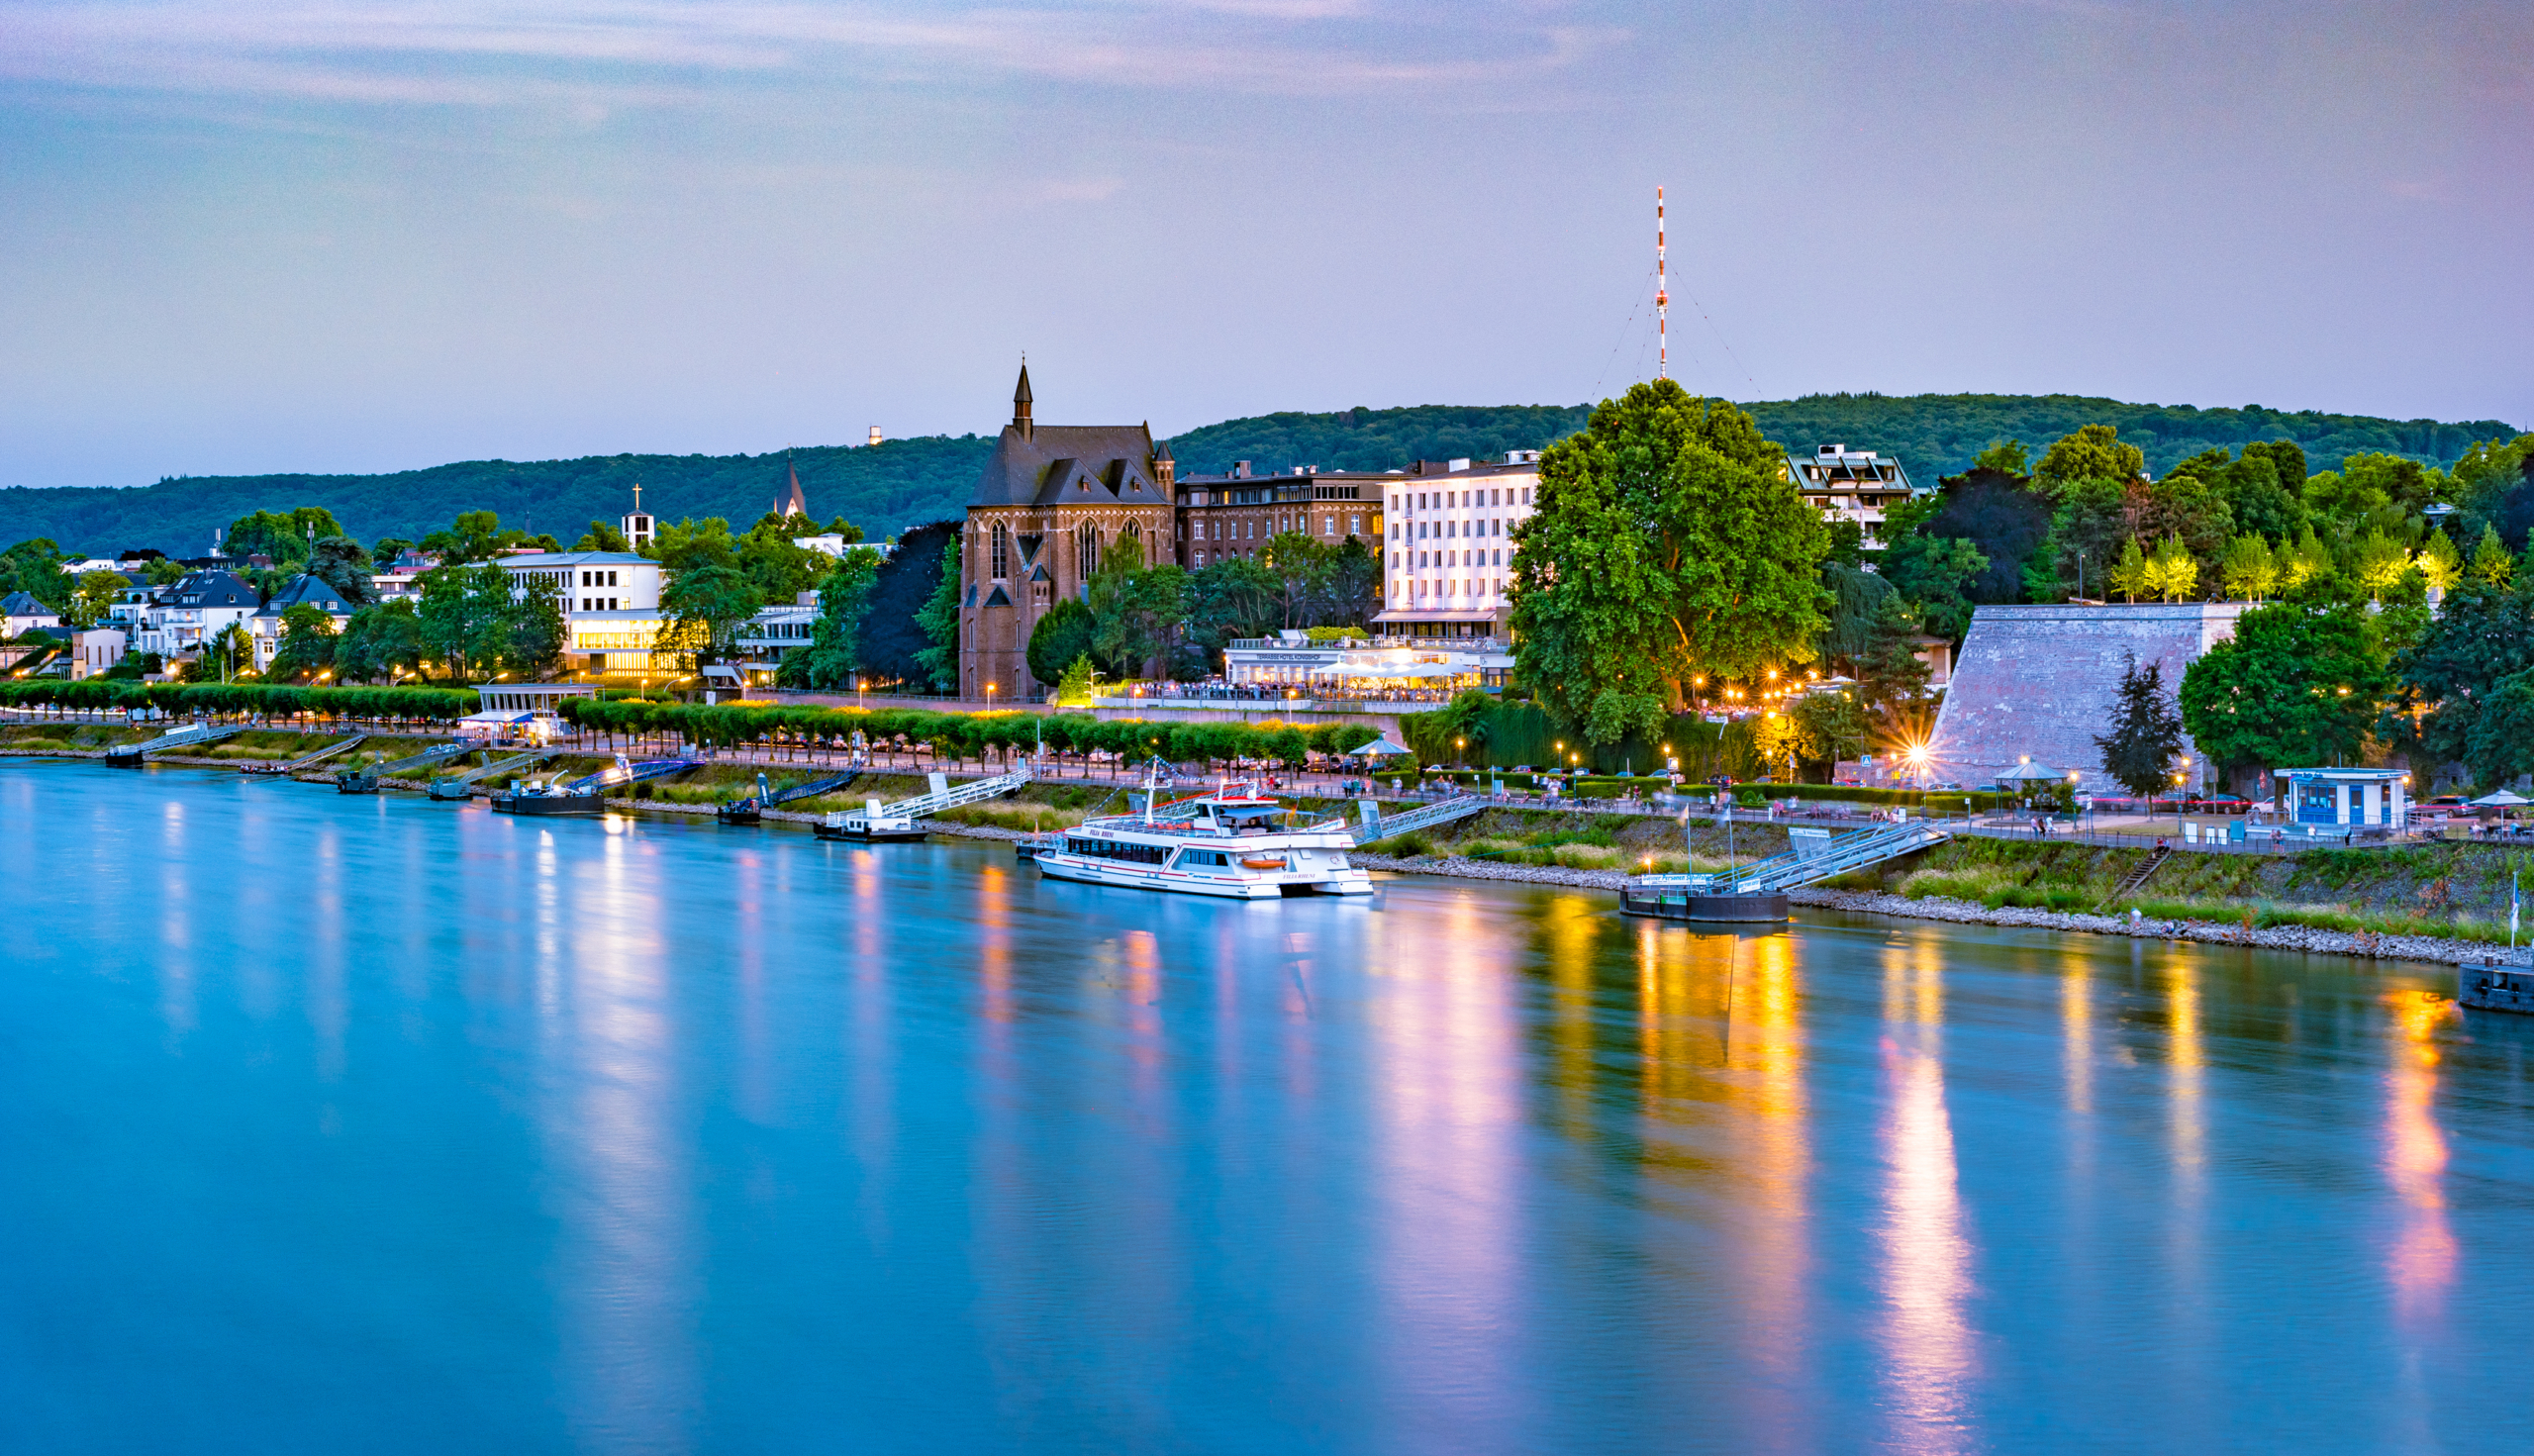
611 578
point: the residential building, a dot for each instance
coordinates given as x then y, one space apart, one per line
21 612
1052 501
300 591
1448 551
195 608
1852 485
94 649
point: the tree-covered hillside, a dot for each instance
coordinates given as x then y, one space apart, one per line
1933 434
1373 440
881 488
1936 435
888 487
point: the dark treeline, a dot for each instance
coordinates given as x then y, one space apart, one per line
890 487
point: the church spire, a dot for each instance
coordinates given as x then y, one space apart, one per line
1021 401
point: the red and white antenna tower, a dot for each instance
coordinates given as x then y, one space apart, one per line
1662 299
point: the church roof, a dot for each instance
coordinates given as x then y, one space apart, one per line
1070 464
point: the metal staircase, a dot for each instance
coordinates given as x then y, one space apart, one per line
2130 881
1819 859
898 819
461 785
1372 825
133 756
309 760
366 780
752 808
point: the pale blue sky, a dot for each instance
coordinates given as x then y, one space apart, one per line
353 237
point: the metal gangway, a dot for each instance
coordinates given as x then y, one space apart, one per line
133 756
750 809
1817 854
1372 825
309 760
461 785
366 780
898 821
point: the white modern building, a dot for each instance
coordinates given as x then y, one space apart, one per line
1366 667
1448 550
1852 485
610 605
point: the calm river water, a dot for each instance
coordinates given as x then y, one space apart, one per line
379 1125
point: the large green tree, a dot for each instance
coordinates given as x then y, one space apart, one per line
2146 732
833 655
1060 637
705 606
2482 635
1667 544
2294 687
938 619
380 641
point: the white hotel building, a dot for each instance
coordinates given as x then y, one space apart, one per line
1449 549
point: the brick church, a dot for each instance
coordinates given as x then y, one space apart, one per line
1053 501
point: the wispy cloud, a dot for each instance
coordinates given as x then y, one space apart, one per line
447 52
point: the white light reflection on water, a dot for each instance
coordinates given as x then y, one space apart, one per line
175 924
630 1365
1928 1358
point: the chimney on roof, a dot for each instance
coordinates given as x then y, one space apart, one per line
1240 469
1021 403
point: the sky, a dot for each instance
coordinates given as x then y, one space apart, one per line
335 236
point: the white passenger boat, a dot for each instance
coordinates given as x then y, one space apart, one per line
1233 842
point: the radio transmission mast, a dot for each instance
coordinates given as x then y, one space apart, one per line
1662 299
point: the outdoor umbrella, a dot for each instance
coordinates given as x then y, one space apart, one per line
2501 800
1381 747
2030 773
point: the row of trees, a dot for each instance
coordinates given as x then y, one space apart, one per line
271 700
965 734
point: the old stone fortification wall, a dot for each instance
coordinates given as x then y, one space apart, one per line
2043 681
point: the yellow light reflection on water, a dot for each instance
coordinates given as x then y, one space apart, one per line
1925 1332
2421 1261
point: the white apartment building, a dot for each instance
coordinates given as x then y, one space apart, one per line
1448 548
1851 485
190 613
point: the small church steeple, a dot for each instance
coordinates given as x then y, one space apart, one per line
1021 403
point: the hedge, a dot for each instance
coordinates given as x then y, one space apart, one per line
966 735
184 699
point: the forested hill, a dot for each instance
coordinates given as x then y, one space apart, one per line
1933 434
882 489
889 487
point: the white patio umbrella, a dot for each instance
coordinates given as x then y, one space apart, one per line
2502 799
1381 747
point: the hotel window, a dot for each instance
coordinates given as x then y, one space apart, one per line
1354 526
611 578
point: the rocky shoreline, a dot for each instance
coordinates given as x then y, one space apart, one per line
2366 943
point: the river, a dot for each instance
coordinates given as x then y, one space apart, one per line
372 1124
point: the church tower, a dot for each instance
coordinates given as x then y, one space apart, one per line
636 526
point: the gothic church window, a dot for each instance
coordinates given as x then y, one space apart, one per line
1002 552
